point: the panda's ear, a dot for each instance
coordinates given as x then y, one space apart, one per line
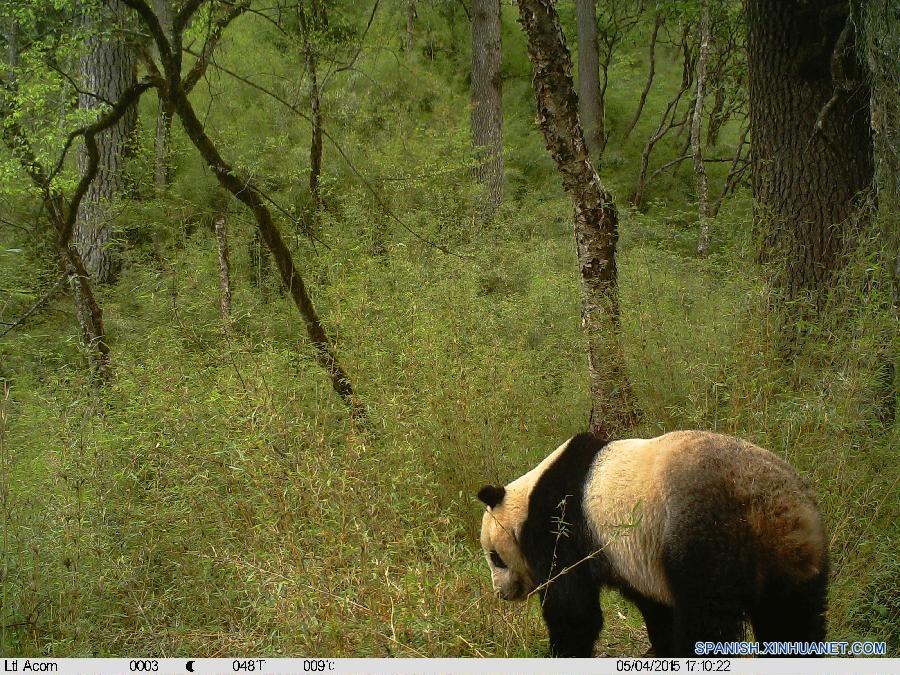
492 494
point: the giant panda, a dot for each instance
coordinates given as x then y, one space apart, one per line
701 531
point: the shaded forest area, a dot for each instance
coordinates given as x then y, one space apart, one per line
282 284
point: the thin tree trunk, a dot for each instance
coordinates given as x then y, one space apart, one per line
88 313
595 218
108 68
812 144
260 265
315 104
224 271
590 105
12 49
162 167
650 75
487 102
717 117
696 123
410 27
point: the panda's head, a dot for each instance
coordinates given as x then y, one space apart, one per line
500 531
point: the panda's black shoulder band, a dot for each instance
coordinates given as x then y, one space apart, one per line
492 494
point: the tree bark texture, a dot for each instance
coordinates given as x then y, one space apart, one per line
595 218
487 102
108 68
590 106
812 146
224 270
696 123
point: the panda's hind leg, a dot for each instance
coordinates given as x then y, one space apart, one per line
660 623
706 571
791 611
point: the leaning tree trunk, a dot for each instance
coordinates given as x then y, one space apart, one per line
590 105
595 217
696 122
812 147
247 193
487 106
108 68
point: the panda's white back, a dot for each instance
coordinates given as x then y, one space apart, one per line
625 509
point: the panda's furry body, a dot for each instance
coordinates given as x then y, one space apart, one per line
701 531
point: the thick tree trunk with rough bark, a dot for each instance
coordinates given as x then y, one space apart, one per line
108 68
590 107
696 123
595 217
812 146
487 102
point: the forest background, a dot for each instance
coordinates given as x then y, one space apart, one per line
206 455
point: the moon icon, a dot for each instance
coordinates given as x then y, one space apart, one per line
189 666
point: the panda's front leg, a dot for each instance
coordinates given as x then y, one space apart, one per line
571 609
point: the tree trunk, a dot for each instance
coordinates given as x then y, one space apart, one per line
162 167
812 146
410 27
487 102
590 107
650 74
595 217
696 123
108 68
224 271
260 265
88 313
12 48
315 103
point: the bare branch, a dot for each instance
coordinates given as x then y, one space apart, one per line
209 46
35 307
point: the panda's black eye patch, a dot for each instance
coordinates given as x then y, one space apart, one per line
497 560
